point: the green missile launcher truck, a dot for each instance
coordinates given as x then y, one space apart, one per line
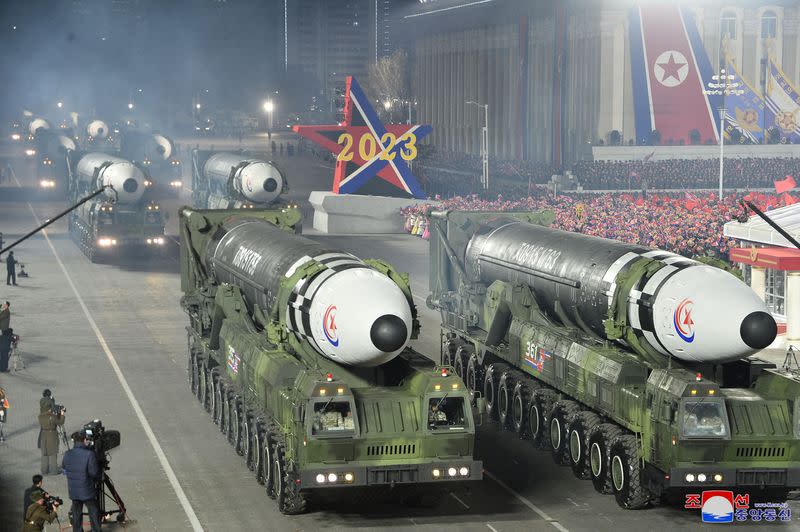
306 425
642 426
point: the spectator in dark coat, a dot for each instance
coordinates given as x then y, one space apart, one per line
11 269
37 486
5 317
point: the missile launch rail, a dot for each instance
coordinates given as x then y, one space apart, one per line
641 425
306 425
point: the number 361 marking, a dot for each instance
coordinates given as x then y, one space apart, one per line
368 147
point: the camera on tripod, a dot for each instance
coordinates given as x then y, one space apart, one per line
57 410
51 500
101 441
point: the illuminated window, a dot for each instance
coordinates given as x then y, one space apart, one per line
769 25
775 291
728 25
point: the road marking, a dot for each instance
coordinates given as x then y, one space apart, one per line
173 480
526 502
462 503
490 527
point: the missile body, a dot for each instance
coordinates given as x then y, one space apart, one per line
100 170
348 312
254 180
38 124
685 309
97 129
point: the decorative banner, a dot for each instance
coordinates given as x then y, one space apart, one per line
744 112
670 68
782 105
365 148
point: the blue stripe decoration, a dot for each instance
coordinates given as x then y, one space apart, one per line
703 64
641 93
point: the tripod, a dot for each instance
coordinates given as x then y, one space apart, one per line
15 359
106 491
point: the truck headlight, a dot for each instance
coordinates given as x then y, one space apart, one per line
701 477
689 477
320 479
718 477
452 471
348 477
464 471
436 473
332 477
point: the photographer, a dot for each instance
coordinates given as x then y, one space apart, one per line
51 417
36 486
42 509
82 470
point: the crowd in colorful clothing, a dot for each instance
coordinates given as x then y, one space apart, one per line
682 223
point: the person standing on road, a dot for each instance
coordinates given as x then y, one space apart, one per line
37 486
49 423
6 340
5 317
80 466
11 269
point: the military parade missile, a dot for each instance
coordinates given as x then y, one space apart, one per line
255 180
38 124
97 129
676 306
347 312
140 146
100 170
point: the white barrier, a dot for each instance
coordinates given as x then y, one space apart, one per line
353 214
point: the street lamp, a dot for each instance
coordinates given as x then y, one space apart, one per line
484 142
269 107
59 105
130 105
723 84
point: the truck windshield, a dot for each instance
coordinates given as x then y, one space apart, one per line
152 218
446 413
704 419
332 418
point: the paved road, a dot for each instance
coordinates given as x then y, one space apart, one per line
109 340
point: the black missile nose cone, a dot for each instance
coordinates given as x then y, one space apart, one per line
270 185
388 333
758 329
130 185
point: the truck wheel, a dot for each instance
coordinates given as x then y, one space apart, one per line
600 439
217 409
194 373
244 439
536 419
505 396
290 501
202 388
490 384
560 416
460 361
449 347
267 467
253 446
474 374
579 430
519 408
234 425
626 473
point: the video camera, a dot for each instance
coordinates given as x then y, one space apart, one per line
57 410
101 441
51 500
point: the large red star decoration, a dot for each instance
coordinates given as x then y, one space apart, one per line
365 148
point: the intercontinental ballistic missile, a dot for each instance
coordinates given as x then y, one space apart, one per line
347 311
254 180
97 129
100 170
650 300
38 124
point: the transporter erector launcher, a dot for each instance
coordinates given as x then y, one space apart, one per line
234 180
670 304
348 312
98 170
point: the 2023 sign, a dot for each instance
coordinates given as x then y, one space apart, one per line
368 147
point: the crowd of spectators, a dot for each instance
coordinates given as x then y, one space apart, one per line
740 173
681 223
450 174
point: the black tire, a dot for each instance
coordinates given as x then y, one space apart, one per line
491 383
218 408
561 414
194 372
600 439
244 439
579 429
626 473
267 471
520 400
474 379
202 389
253 457
290 500
235 424
505 396
538 410
460 361
449 347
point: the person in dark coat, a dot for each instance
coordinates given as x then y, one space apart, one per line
11 269
49 424
5 317
37 486
36 515
6 339
80 466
